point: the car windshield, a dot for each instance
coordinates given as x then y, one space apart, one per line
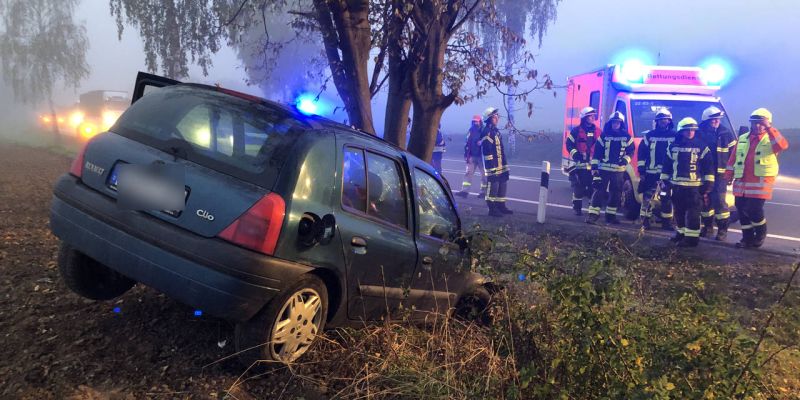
644 110
204 124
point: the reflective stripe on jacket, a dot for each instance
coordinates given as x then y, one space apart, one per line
688 163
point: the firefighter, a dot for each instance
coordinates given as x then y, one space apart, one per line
651 154
721 141
689 173
494 163
612 153
473 158
753 168
579 144
439 148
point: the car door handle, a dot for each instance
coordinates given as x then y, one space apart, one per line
427 261
358 242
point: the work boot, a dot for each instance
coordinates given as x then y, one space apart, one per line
677 238
493 210
747 239
722 230
688 242
577 206
707 231
463 194
611 219
646 223
666 224
503 209
759 234
592 218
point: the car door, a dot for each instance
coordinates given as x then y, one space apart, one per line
440 272
374 227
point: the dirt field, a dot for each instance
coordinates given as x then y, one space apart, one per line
57 345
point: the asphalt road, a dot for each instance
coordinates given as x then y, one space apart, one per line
783 211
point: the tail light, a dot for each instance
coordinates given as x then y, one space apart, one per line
259 227
77 164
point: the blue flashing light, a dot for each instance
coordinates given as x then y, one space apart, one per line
198 313
521 277
633 71
307 106
716 71
117 310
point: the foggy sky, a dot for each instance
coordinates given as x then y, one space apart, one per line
757 37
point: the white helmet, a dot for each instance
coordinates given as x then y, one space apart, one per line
711 113
588 111
616 116
490 112
663 113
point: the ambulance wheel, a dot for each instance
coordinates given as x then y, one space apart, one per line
629 204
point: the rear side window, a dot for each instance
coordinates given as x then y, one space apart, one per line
207 125
387 198
437 217
373 186
594 100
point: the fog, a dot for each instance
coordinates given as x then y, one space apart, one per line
755 37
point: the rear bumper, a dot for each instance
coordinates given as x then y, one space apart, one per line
206 273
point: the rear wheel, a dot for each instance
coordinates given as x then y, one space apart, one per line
89 278
287 326
475 305
629 204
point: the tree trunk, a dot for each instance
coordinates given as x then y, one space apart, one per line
346 35
54 120
423 131
398 105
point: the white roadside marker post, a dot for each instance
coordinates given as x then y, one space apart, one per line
541 213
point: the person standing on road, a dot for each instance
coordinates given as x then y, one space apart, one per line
439 148
494 163
579 143
651 154
721 141
612 153
689 172
474 159
753 168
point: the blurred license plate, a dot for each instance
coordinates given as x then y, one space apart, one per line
113 184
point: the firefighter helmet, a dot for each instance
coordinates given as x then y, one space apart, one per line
616 116
476 118
712 113
489 112
762 114
663 113
587 111
687 124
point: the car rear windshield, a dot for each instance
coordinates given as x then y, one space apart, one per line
211 128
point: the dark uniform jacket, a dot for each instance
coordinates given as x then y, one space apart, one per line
581 141
688 162
473 147
495 164
613 151
653 150
721 143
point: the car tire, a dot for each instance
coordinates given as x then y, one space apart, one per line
255 338
89 278
475 305
629 204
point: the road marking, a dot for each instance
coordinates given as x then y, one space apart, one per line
512 177
769 235
510 165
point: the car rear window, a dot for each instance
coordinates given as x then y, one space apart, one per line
209 127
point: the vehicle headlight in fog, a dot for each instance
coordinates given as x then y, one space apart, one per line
60 120
87 130
109 118
75 118
46 119
202 137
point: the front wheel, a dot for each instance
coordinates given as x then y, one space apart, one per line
629 204
287 326
475 305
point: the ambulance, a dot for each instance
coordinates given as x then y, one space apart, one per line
638 91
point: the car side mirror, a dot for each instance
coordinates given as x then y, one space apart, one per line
312 229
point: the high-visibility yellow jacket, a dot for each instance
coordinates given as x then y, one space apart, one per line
765 161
